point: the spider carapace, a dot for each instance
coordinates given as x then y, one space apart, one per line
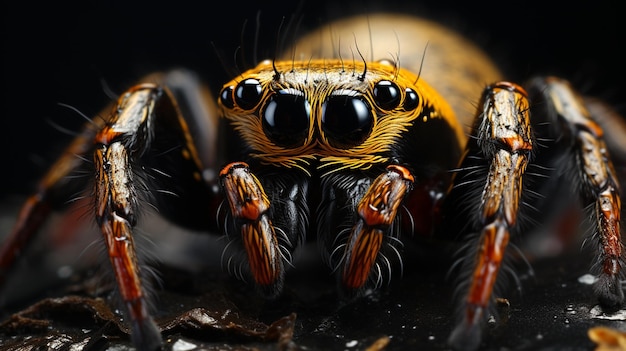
356 154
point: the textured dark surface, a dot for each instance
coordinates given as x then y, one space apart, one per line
210 310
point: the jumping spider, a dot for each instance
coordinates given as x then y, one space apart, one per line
356 154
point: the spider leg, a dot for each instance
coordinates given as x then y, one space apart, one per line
39 205
144 137
249 207
370 220
117 203
503 143
148 130
614 126
597 183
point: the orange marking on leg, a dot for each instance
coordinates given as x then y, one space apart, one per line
261 246
402 171
495 239
121 251
377 210
106 136
379 206
248 201
228 168
363 249
31 215
244 191
609 214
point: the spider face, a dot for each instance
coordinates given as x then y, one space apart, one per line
331 126
358 156
330 115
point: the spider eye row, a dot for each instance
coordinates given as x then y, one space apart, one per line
347 116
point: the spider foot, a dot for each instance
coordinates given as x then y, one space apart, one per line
609 291
466 336
145 335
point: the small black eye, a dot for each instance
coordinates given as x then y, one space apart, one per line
386 95
411 100
248 93
226 96
286 118
347 119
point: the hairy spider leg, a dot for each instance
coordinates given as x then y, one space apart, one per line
147 130
597 182
504 140
144 136
117 204
249 207
377 210
506 145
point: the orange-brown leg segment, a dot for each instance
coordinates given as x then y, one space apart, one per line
34 211
599 185
249 207
140 144
117 207
39 205
376 211
505 140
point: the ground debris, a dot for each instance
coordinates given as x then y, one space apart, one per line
607 339
84 323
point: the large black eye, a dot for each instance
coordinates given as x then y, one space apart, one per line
248 93
386 95
347 119
411 100
227 97
286 118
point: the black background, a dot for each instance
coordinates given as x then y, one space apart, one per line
59 53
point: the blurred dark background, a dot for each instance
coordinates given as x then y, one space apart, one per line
63 54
